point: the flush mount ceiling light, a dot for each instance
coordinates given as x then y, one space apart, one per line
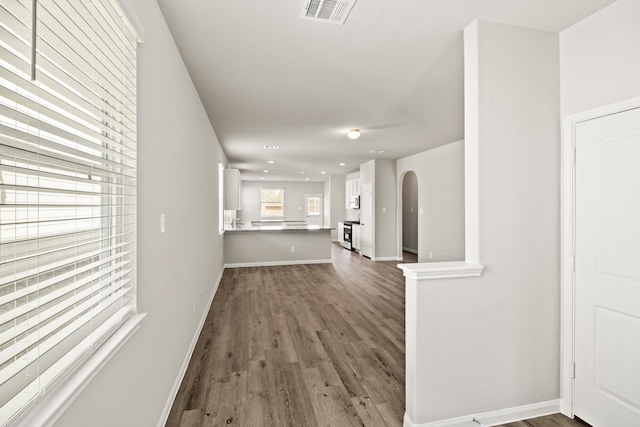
353 133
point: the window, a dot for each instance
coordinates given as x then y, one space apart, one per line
67 189
313 205
272 202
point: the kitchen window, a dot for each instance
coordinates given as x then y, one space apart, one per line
272 202
67 190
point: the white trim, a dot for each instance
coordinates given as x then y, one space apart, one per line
494 418
567 244
45 412
185 363
471 143
132 18
276 263
387 258
441 270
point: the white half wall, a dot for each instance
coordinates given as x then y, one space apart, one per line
294 193
487 343
440 176
600 58
178 154
256 248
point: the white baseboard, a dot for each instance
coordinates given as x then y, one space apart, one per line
275 263
494 418
187 359
387 258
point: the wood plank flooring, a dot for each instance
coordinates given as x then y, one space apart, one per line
305 345
302 345
555 420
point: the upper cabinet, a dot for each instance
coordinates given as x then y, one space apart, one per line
352 189
232 190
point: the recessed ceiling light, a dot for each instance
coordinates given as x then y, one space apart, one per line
306 179
266 171
301 173
271 147
353 133
342 164
271 162
323 173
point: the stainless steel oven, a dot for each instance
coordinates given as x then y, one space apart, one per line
347 236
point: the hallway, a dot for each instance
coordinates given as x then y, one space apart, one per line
300 345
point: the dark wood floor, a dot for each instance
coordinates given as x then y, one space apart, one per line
556 420
303 345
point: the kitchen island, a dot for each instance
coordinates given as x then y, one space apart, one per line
264 243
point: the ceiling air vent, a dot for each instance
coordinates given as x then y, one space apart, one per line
330 11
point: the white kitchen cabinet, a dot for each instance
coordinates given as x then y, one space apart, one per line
232 190
352 188
355 237
341 232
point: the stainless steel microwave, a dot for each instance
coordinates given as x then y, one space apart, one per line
354 202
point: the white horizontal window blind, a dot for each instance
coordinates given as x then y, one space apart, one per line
67 188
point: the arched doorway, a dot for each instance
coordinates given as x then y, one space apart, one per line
410 217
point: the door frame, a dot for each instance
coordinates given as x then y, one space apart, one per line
567 245
321 207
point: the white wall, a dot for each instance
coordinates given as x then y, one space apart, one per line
385 210
368 176
492 342
600 58
382 175
178 153
254 248
294 192
440 175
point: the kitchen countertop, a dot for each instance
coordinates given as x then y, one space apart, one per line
275 226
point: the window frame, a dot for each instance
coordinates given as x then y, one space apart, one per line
263 202
109 193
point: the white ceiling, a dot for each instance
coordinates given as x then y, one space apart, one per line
394 70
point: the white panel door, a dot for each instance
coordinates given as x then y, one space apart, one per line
607 298
366 220
313 209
